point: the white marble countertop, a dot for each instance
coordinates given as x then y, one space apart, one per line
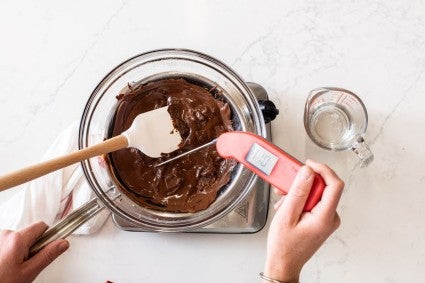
53 53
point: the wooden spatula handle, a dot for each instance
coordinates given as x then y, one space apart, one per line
32 172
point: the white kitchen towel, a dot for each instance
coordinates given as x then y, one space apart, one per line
53 196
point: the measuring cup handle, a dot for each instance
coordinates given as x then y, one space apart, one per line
363 152
69 224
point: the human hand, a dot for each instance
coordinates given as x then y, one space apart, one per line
295 236
15 266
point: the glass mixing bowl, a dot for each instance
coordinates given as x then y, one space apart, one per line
100 107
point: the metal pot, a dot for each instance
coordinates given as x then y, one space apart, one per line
246 116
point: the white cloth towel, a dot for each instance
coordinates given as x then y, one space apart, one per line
53 196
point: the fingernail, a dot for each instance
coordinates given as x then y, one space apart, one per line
63 246
305 173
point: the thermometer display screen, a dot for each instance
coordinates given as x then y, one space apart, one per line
261 158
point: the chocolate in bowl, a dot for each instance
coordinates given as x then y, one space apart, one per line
150 66
189 184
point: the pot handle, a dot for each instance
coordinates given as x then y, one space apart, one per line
69 224
267 107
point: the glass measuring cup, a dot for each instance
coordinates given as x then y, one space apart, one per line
336 119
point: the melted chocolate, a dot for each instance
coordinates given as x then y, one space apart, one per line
190 183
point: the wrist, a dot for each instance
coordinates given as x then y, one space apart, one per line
266 279
282 272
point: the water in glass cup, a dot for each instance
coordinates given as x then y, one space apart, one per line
336 119
331 125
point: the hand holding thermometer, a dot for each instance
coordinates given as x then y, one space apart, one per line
265 159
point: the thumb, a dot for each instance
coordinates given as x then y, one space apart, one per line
298 194
43 258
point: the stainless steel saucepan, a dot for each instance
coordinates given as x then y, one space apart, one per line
165 63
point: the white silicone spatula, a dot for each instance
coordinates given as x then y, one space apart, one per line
151 132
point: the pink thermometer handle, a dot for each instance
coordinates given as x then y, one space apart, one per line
268 161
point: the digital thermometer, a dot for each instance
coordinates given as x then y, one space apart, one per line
268 161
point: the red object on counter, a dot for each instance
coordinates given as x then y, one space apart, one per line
268 161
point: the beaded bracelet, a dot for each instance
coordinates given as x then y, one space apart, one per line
264 277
